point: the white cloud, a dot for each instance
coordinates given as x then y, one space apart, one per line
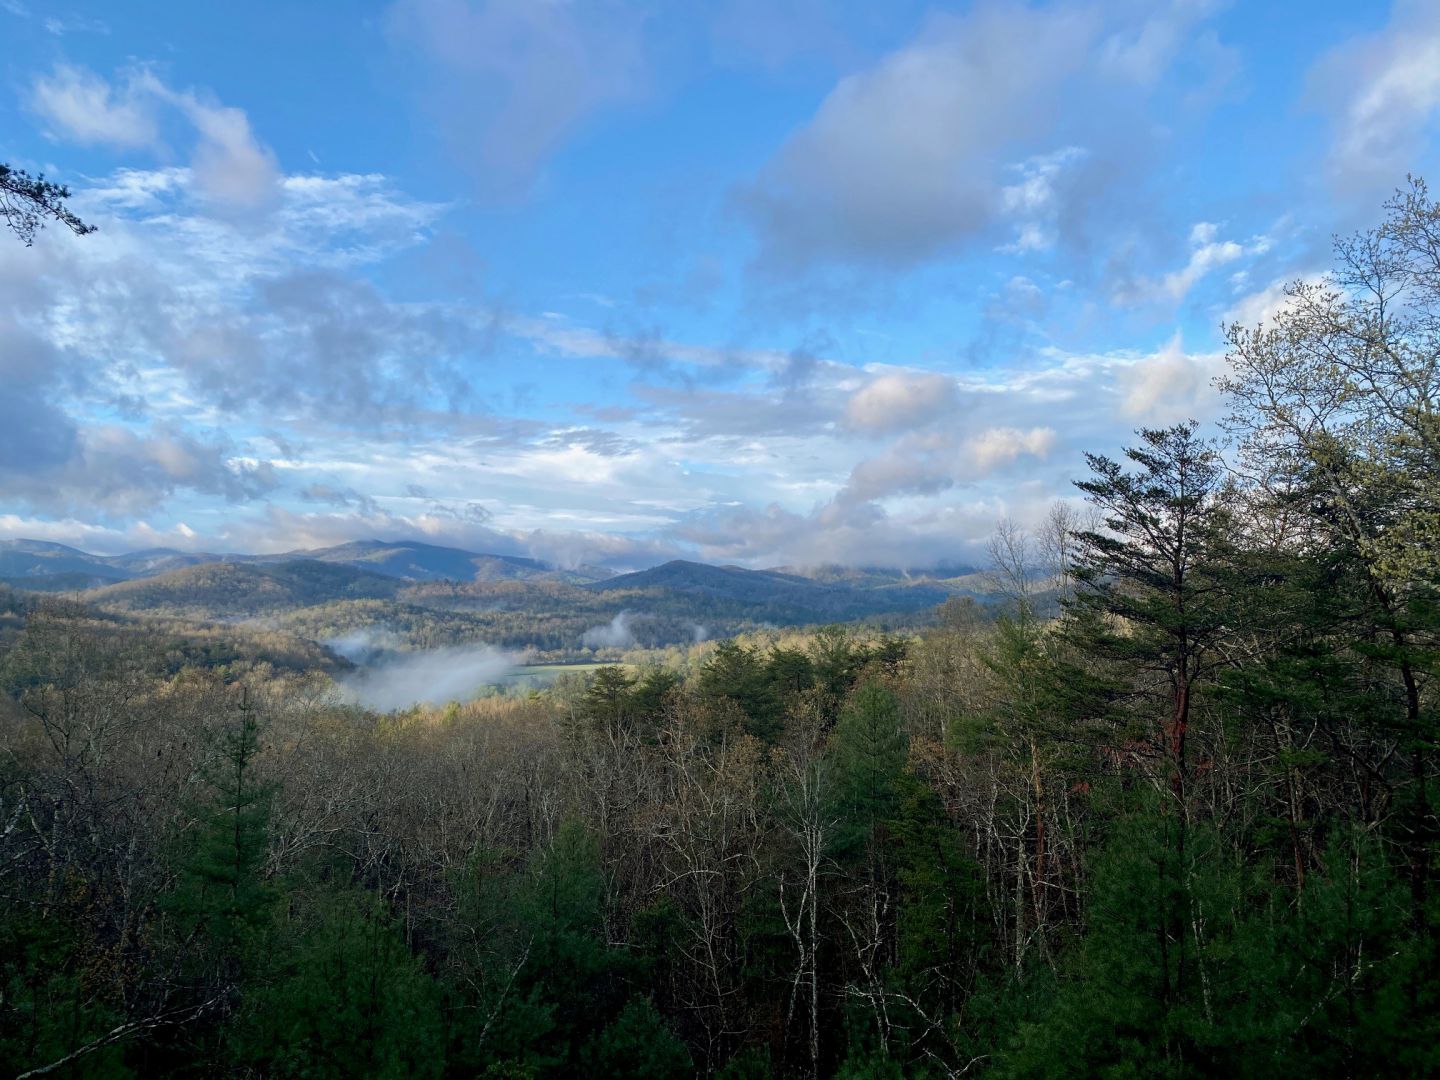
1262 305
1007 119
1142 52
82 107
1033 202
1207 253
997 447
898 400
907 158
929 462
228 162
1171 385
1382 93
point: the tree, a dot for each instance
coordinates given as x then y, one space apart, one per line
638 1044
1175 974
222 894
352 1002
807 815
735 673
1337 405
607 702
27 202
868 747
1012 565
1143 581
1339 396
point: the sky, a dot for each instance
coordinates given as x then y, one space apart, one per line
763 282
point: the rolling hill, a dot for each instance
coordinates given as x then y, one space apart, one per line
414 561
769 595
427 595
229 590
41 566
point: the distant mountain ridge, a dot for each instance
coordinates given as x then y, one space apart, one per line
46 566
776 594
431 596
229 590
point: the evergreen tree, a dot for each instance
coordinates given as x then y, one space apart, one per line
735 674
1147 595
637 1044
607 703
868 747
350 1000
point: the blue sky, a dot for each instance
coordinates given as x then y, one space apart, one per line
779 282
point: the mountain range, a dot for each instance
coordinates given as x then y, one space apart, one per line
43 566
430 595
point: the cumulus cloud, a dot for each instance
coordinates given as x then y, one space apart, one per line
896 401
229 163
1033 200
907 158
169 304
137 363
997 447
1208 253
115 472
1142 51
930 462
51 461
1171 385
983 126
1261 305
772 535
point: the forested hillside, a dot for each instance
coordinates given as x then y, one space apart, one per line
43 566
224 590
679 602
1184 827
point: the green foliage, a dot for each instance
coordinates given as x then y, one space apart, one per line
737 674
637 1044
607 701
556 983
222 897
868 748
1171 973
52 996
350 1000
940 944
1357 995
28 202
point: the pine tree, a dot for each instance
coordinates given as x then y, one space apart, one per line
222 899
1146 597
350 1000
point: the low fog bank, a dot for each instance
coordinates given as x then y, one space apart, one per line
388 680
627 629
616 634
